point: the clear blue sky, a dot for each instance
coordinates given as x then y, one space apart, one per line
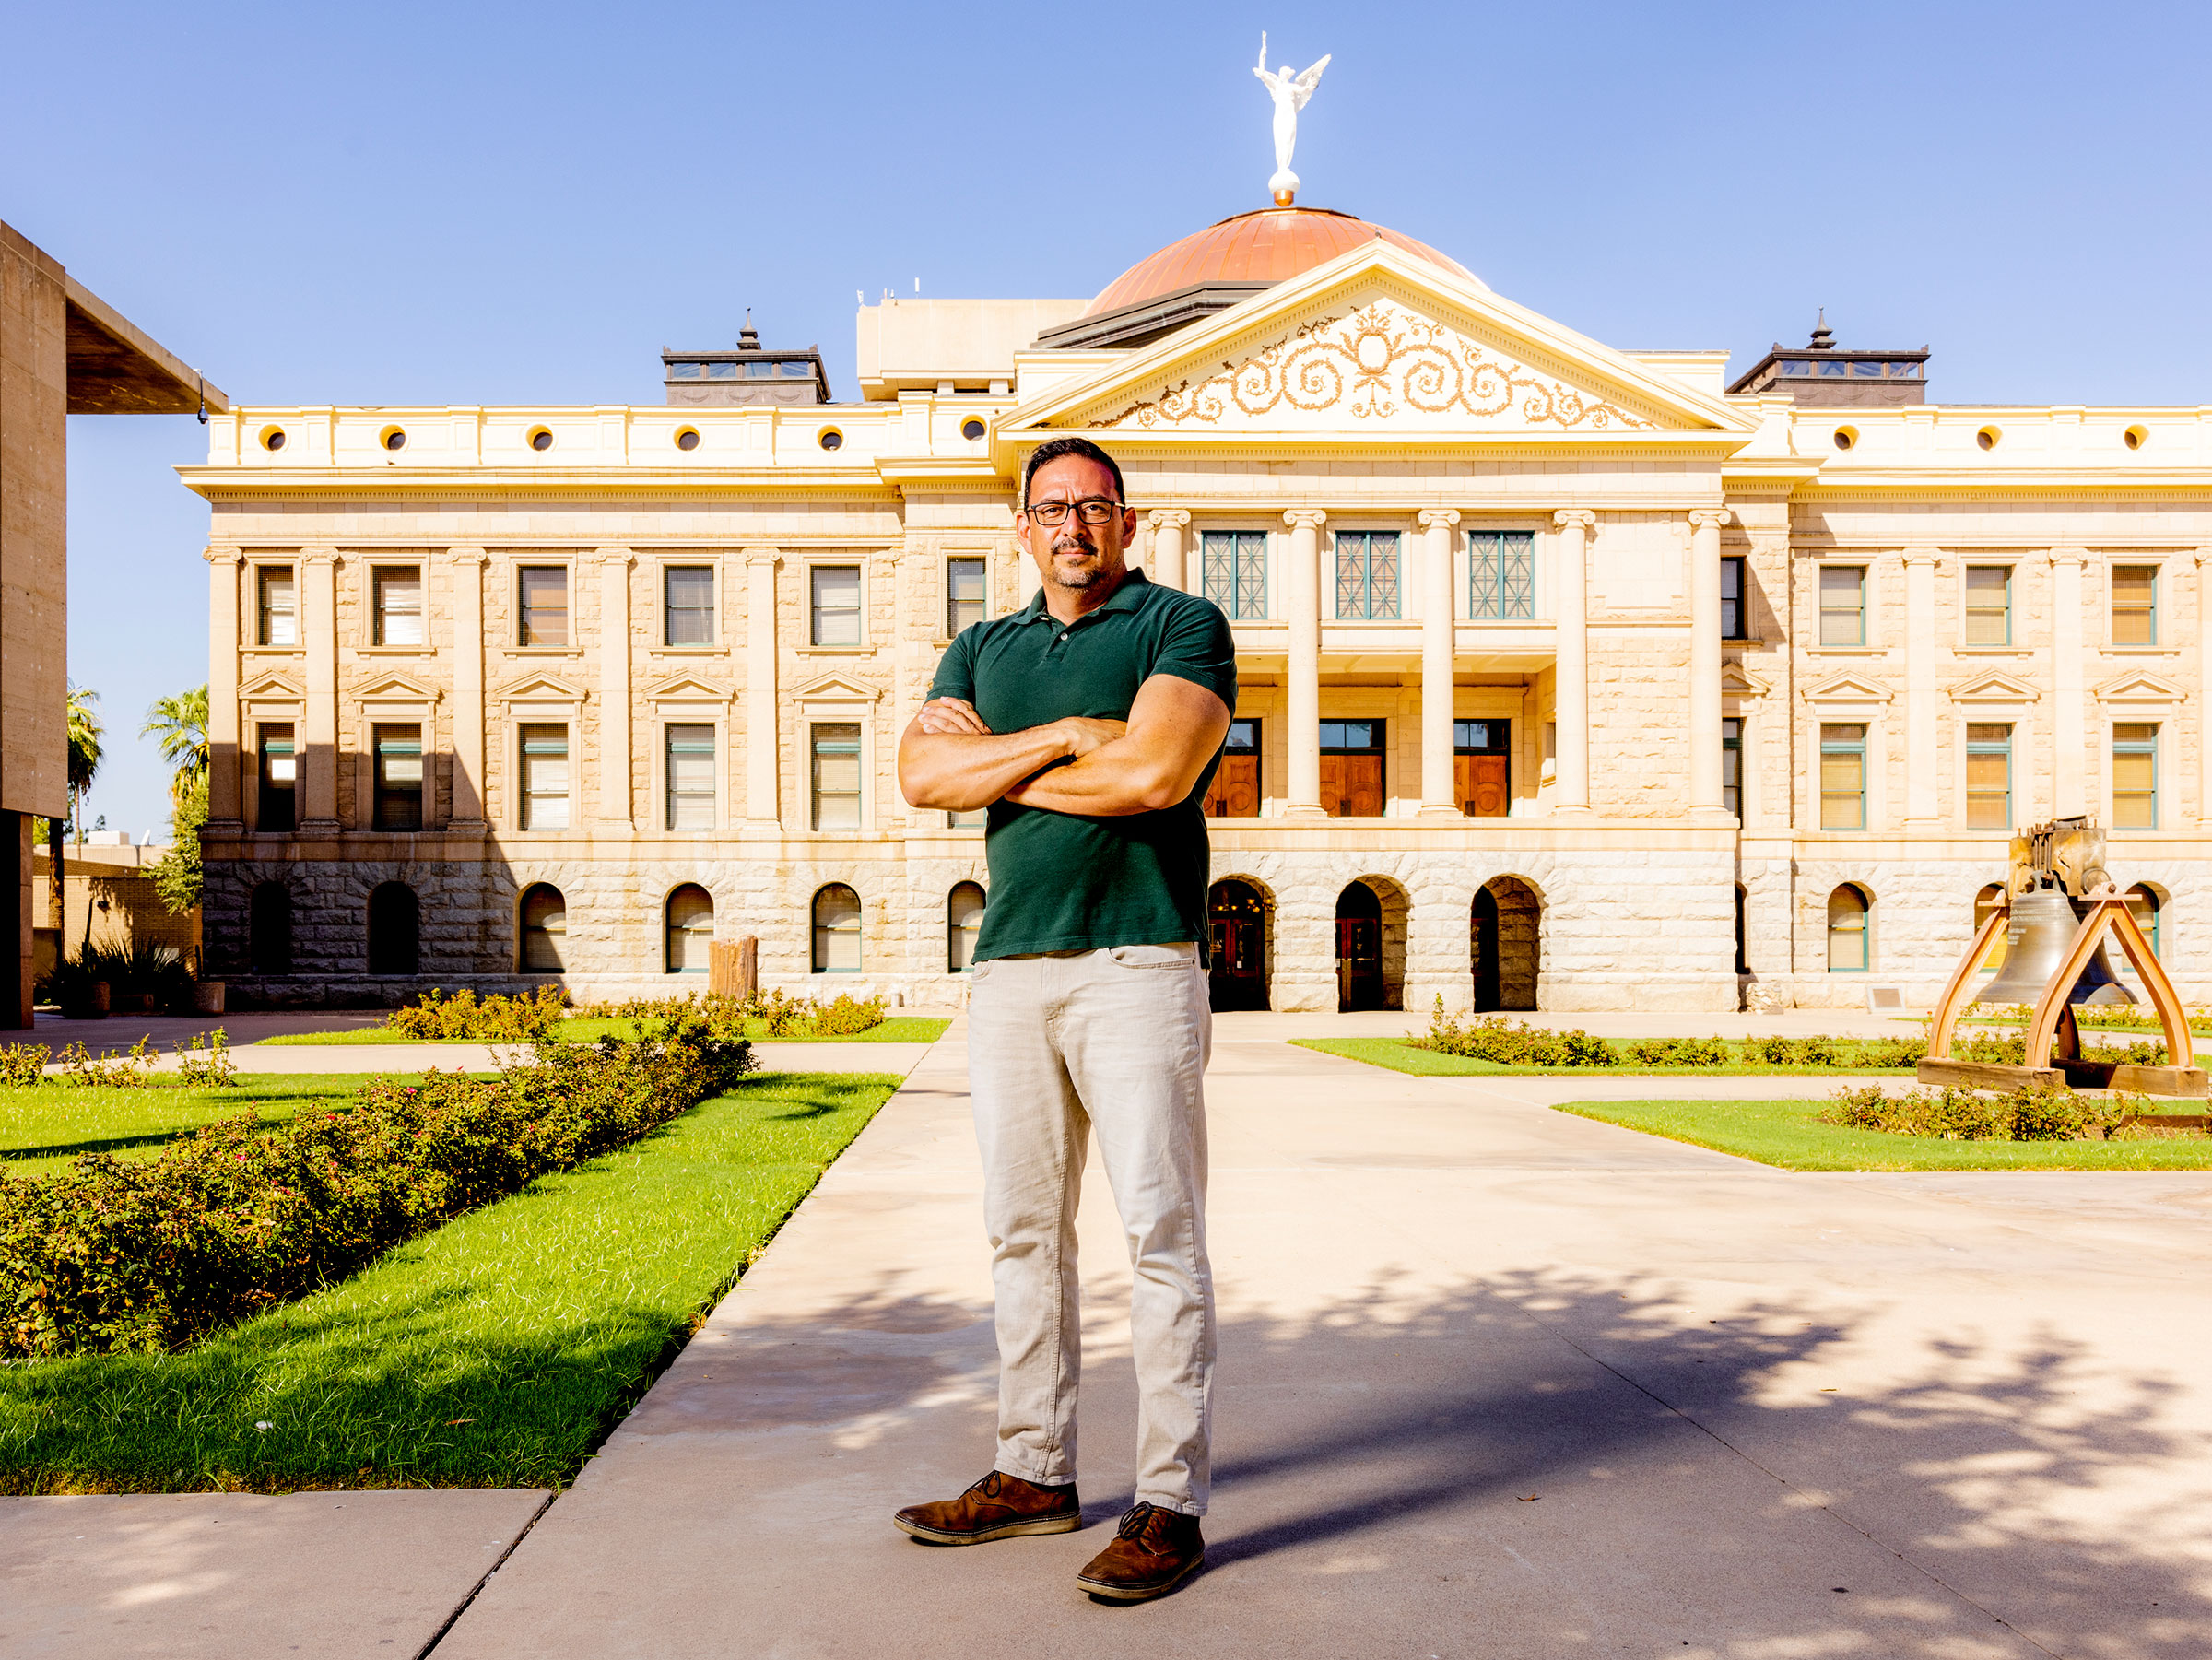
504 203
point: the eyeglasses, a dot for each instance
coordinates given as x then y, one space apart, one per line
1092 509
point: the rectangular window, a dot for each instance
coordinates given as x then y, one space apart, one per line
1502 575
1988 775
1989 605
2135 775
279 607
1844 777
836 605
279 779
837 776
1367 575
545 778
1351 769
1235 792
545 605
1235 571
687 605
1732 598
1843 605
1482 768
1732 765
690 778
964 595
2135 605
398 603
398 777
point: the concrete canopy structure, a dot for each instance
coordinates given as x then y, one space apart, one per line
1569 679
62 351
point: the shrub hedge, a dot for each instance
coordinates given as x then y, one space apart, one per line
2038 1113
498 1018
229 1221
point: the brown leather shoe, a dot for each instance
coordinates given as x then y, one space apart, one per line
998 1507
1155 1551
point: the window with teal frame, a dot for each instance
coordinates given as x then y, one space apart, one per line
1366 576
1502 584
1234 566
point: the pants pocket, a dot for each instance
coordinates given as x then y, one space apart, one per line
1154 956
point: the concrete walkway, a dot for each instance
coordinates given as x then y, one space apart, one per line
1495 1382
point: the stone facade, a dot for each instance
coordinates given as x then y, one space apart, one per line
1663 791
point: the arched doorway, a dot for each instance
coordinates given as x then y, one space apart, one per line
1504 943
1237 939
1359 947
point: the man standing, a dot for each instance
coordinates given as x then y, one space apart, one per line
1089 723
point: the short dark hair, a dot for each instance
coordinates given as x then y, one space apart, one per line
1054 449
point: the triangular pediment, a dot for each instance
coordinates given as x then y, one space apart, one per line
835 687
275 684
1994 686
2139 688
540 689
397 688
1379 344
1738 682
1847 689
687 686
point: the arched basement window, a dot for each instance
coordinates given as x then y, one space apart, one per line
690 929
1849 935
837 930
963 922
269 929
545 930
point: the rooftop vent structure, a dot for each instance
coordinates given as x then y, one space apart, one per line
751 375
1821 374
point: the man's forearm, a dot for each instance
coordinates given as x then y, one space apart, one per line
1114 781
958 772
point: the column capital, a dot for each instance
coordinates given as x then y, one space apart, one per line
1170 518
1922 556
2203 555
1575 518
467 555
1305 518
1438 518
1709 518
223 556
2070 556
615 556
318 556
761 556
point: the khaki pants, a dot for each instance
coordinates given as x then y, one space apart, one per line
1059 1045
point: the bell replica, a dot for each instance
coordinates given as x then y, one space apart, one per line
2054 865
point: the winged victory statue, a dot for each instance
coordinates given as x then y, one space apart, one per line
1290 90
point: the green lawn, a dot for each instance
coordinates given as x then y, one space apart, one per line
495 1352
898 1029
1788 1134
41 1128
1427 1063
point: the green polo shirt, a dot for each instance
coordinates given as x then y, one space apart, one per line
1061 882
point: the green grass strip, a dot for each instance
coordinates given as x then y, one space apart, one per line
497 1351
1790 1135
42 1127
1427 1063
898 1029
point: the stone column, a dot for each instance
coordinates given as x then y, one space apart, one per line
1705 797
760 738
467 567
1922 801
1302 603
2204 685
319 741
1570 657
2069 779
226 805
1439 618
614 686
1167 566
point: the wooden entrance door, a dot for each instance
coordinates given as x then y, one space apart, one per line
1237 947
1358 948
1351 787
1482 949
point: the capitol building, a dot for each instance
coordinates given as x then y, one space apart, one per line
1569 677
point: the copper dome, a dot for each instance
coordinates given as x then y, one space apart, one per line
1270 245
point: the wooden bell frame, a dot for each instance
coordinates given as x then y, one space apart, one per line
2053 1024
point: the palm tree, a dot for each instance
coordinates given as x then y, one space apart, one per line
180 724
85 732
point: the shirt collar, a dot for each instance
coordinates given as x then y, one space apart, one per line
1128 596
